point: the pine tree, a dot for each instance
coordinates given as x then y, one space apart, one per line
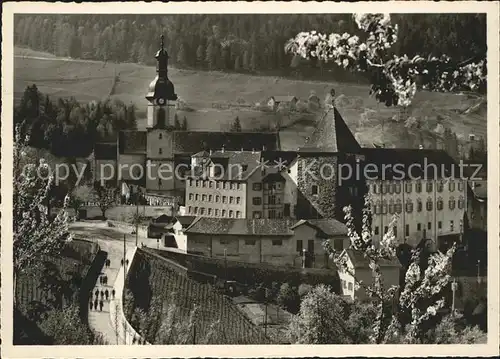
236 126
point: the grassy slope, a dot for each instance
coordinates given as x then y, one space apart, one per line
93 80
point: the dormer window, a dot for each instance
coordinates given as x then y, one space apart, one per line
160 136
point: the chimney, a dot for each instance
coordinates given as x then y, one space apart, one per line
253 150
222 149
241 149
263 148
210 152
472 137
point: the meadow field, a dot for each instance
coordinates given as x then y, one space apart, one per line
200 90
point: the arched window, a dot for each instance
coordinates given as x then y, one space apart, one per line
408 187
452 203
429 204
419 205
378 207
461 202
451 186
399 206
390 187
440 186
391 206
398 187
384 206
160 117
418 186
440 204
429 186
409 206
460 186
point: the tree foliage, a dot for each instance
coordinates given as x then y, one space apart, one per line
394 78
105 198
36 231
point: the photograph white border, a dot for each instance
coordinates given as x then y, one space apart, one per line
248 351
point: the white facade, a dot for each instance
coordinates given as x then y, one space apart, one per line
424 208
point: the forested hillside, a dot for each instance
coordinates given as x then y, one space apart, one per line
241 43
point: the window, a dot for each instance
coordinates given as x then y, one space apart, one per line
160 151
197 183
159 182
211 184
428 186
272 213
378 207
429 225
231 199
202 211
205 184
277 242
419 226
191 196
390 188
376 230
216 212
429 205
440 225
314 189
217 185
452 224
460 186
375 188
238 200
190 210
384 188
409 206
210 211
190 182
440 204
250 242
408 186
223 241
233 186
461 203
452 203
210 198
224 199
299 245
440 186
391 206
399 206
338 244
196 210
231 213
272 199
384 206
386 229
395 231
451 186
350 285
223 213
419 205
217 199
256 201
418 187
286 210
344 283
226 185
238 214
256 214
398 188
203 197
407 230
257 186
197 197
160 136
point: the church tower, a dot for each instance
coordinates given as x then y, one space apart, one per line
161 94
160 128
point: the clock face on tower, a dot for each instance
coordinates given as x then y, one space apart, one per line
161 101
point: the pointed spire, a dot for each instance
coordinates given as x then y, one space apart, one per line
162 46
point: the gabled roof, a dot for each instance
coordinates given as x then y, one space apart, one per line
132 142
332 135
105 151
274 177
360 261
186 220
230 226
328 226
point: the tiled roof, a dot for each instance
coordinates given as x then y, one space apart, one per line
229 226
286 157
274 177
131 142
196 141
105 151
418 159
186 220
360 261
332 135
329 226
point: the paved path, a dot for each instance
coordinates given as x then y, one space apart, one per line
111 241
